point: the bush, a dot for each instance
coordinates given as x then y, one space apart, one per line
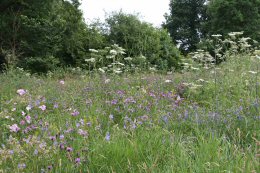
40 64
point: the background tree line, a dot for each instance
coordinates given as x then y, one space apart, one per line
43 35
192 21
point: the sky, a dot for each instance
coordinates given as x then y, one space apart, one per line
151 11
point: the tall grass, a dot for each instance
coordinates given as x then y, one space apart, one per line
133 123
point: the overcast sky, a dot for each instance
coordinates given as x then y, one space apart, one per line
151 11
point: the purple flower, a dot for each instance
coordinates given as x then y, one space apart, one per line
14 128
61 137
107 136
21 165
42 107
35 152
82 132
22 122
21 92
53 138
69 149
75 113
28 119
11 152
55 105
23 113
114 102
62 146
111 117
77 160
50 167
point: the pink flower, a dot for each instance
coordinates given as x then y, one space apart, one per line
14 128
62 82
42 107
21 92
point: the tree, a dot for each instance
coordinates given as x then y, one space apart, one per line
141 38
185 22
234 15
34 32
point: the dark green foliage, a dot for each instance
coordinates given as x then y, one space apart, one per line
40 64
185 22
43 29
234 15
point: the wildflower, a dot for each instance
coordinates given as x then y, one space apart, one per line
23 113
62 146
62 82
93 50
29 107
114 102
117 71
69 149
55 105
90 60
53 138
35 152
101 70
21 92
252 72
42 107
107 80
128 59
168 81
50 167
14 109
82 132
21 165
14 128
28 119
75 113
11 152
216 35
107 136
77 160
111 117
113 52
61 137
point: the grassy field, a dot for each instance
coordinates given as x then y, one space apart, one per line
205 120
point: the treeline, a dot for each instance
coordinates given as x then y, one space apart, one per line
192 22
42 35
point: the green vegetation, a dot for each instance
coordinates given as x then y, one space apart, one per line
120 97
205 119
